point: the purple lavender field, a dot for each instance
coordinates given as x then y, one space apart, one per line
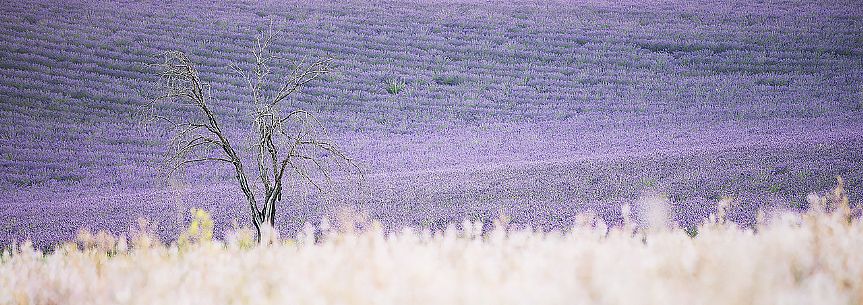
454 109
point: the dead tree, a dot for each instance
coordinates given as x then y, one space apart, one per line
285 141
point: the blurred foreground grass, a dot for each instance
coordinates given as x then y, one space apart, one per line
787 258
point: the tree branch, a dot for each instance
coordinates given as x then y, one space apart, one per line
181 164
299 79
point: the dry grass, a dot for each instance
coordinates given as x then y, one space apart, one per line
811 258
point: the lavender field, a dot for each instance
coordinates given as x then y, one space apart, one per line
454 110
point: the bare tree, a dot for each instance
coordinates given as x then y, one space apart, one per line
285 140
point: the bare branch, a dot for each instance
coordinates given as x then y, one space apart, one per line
181 164
304 175
300 77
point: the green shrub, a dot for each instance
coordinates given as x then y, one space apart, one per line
394 86
449 80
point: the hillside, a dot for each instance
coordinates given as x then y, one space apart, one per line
542 109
